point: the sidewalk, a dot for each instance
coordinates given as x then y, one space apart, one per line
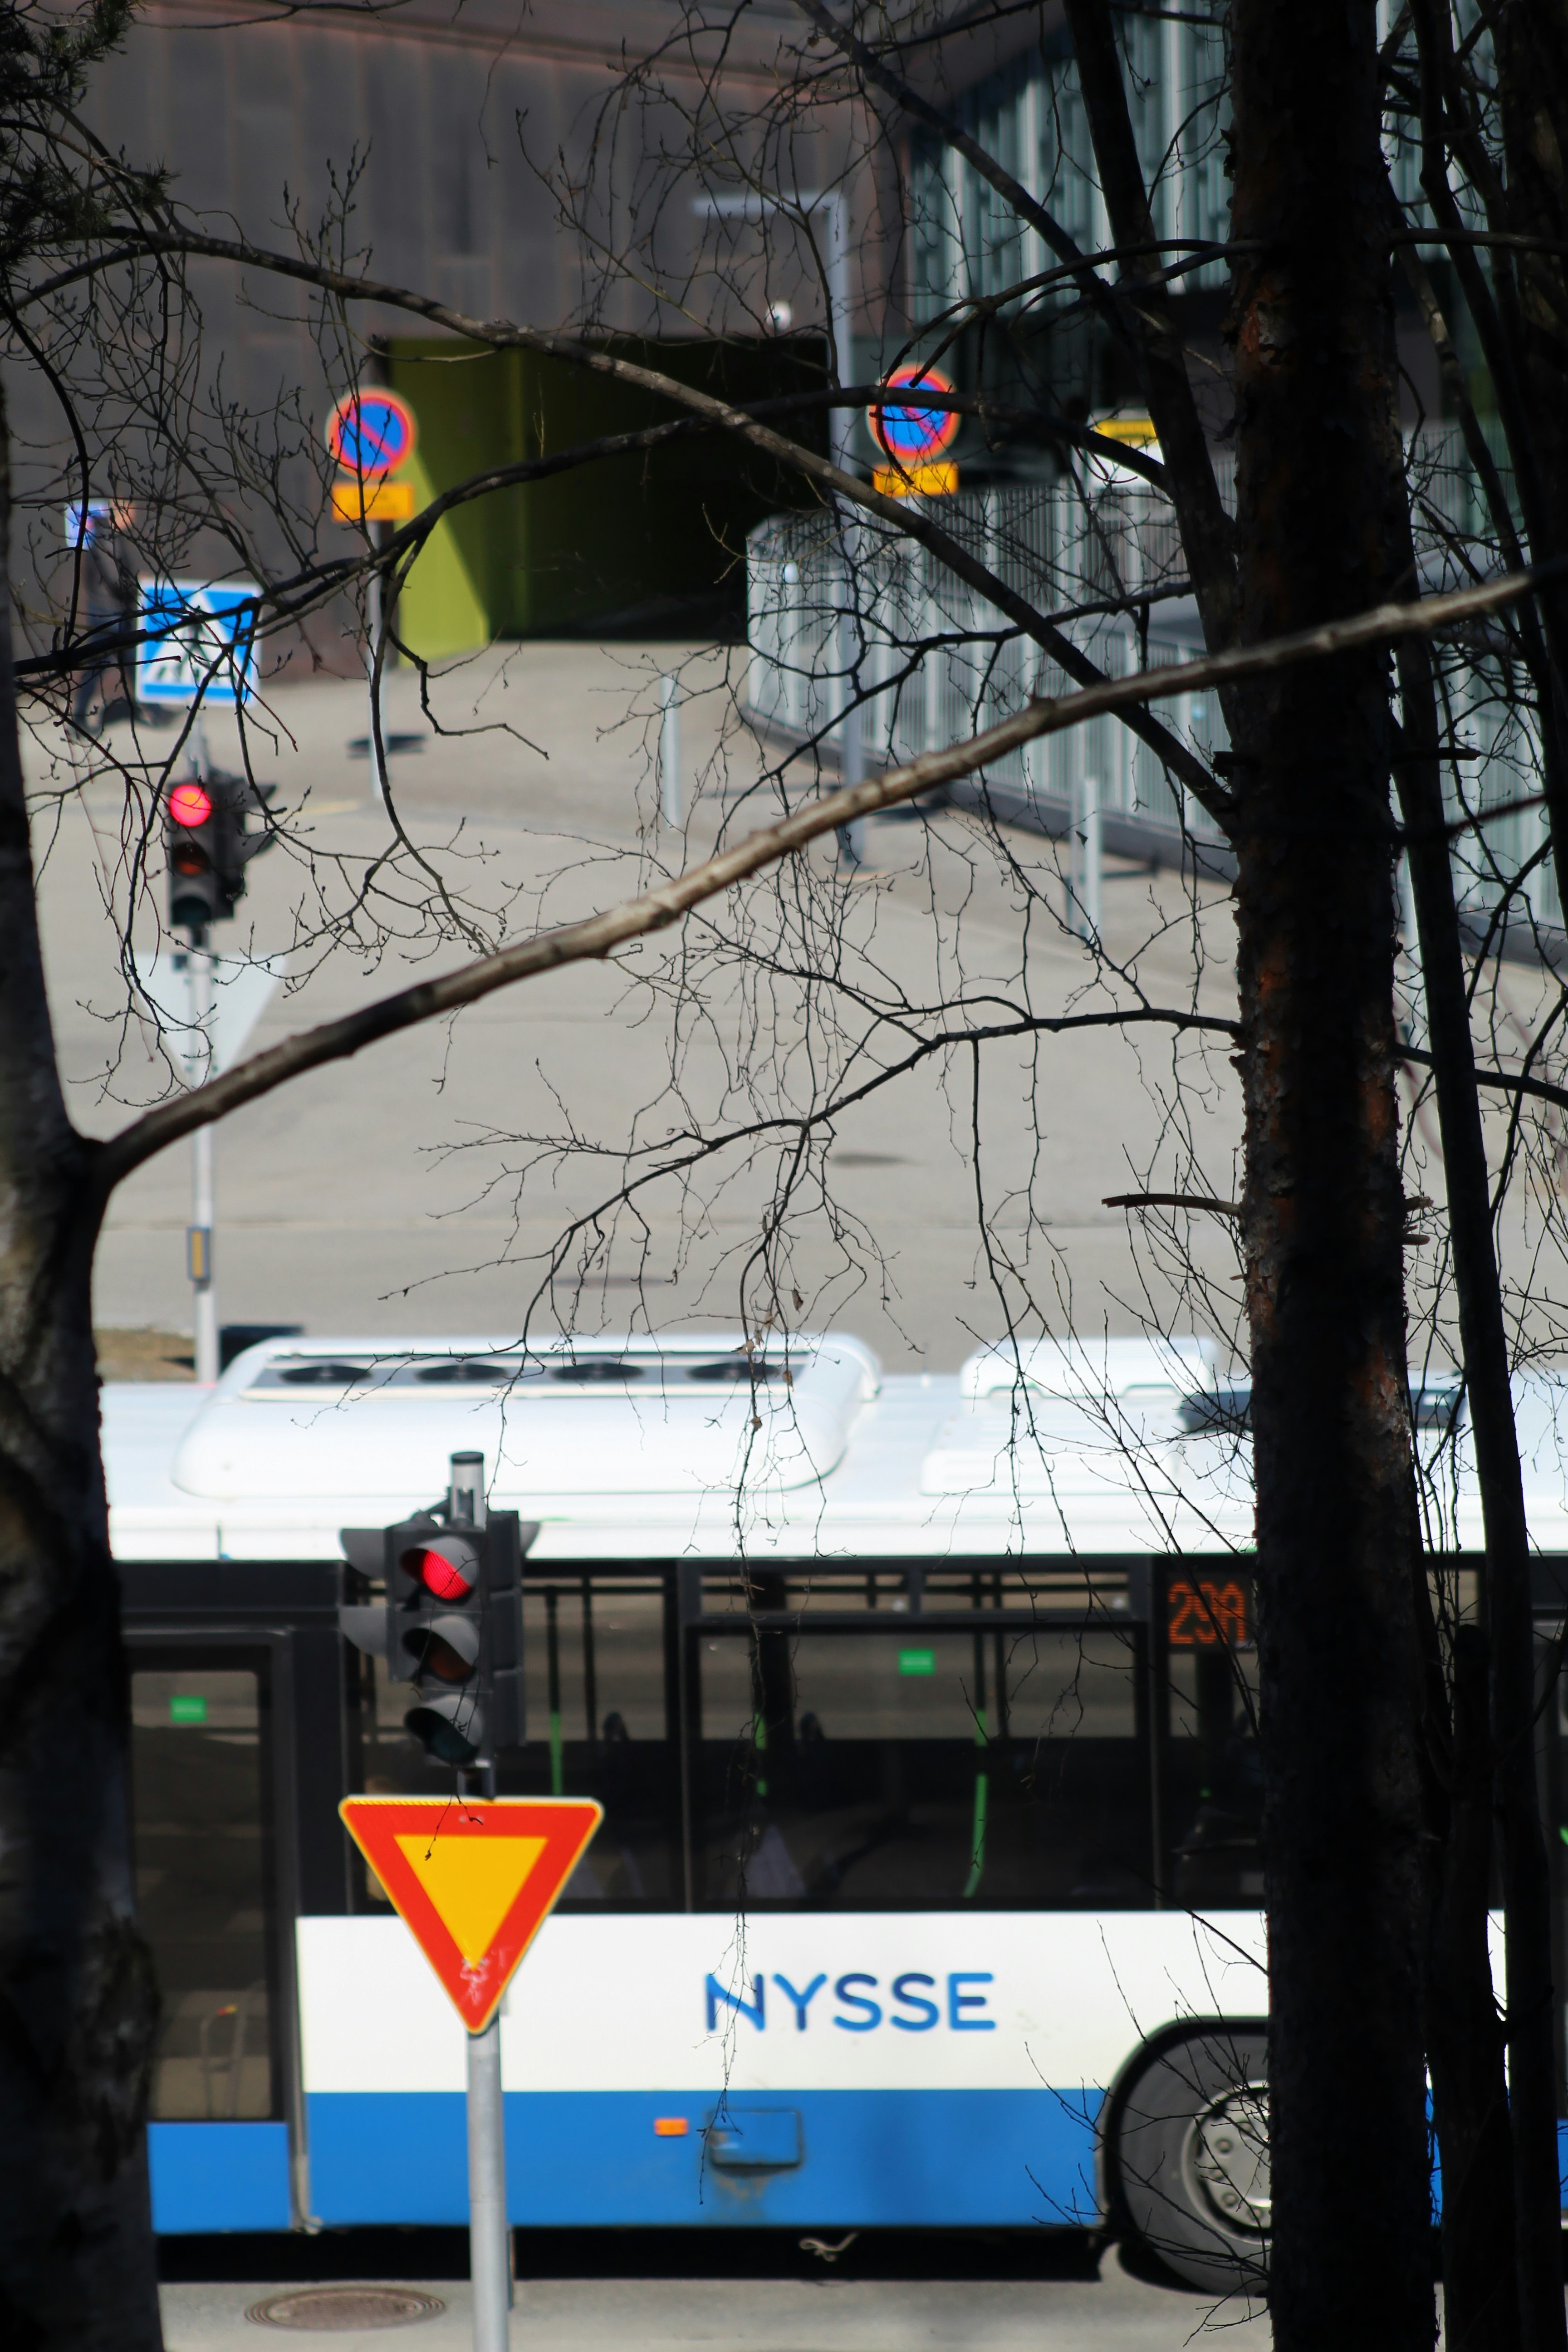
1114 2313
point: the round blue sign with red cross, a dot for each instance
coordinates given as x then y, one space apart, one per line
912 434
372 434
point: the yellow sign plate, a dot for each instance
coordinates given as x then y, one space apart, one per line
937 481
356 501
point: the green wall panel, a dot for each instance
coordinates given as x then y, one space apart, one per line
643 542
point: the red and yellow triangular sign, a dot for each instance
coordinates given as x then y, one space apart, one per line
474 1879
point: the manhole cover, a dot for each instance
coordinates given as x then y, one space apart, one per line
339 2308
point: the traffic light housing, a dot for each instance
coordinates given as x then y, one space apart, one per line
207 847
451 1625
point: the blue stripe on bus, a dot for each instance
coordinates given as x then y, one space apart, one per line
879 2155
898 2158
218 2176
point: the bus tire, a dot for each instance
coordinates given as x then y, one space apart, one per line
1186 2151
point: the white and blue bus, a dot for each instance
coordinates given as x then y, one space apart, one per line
921 1710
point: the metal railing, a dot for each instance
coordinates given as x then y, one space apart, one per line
832 613
838 612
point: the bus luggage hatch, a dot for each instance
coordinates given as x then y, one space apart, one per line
754 2139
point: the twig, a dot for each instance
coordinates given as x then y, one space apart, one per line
1172 1201
601 935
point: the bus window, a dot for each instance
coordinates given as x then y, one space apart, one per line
597 1724
607 1639
1212 1782
203 1889
902 1770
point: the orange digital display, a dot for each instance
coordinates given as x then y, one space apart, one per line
1208 1612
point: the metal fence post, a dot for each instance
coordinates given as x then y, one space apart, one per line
198 1054
851 740
668 752
1084 858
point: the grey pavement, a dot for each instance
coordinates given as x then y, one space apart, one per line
421 1186
1115 2314
418 1186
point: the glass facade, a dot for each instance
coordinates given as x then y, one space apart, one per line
966 241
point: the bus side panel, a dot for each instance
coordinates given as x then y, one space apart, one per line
836 2069
227 2176
898 2158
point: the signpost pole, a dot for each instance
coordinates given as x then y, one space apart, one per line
668 751
378 720
1084 860
489 2266
372 433
851 739
204 1203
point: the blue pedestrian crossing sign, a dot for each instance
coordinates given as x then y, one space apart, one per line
197 641
372 434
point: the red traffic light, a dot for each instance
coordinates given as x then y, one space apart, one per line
449 1572
190 803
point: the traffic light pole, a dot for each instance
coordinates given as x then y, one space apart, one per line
203 1208
489 2253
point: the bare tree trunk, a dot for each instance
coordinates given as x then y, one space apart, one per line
1465 2035
77 2004
1323 1210
1532 84
1531 44
1525 330
1481 2281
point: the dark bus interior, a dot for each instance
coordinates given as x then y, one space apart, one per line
895 1734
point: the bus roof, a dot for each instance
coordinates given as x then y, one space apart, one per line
653 1446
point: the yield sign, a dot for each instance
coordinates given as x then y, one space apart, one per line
474 1880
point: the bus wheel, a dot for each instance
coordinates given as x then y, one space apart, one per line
1188 2156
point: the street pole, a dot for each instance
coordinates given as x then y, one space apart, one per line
669 751
199 1239
841 441
489 2259
1085 859
851 738
489 2266
376 741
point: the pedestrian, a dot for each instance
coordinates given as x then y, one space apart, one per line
105 599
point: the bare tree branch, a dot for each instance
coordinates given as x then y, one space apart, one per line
1172 1201
502 335
654 910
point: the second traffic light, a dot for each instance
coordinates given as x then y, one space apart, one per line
207 847
452 1620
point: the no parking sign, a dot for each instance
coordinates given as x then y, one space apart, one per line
908 432
372 434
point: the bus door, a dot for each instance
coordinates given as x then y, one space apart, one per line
238 1761
914 1736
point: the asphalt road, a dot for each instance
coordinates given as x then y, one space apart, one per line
1115 2313
400 1191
